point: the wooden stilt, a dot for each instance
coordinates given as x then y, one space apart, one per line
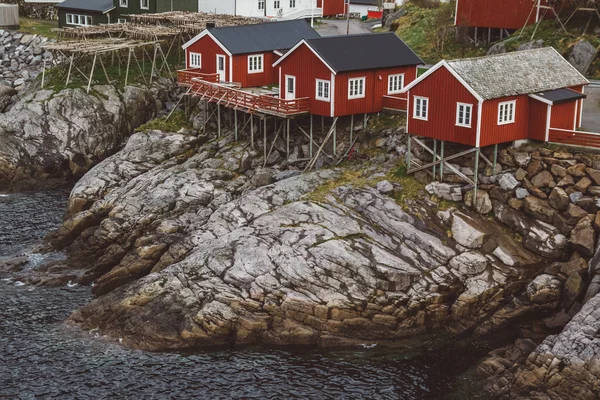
434 157
218 120
205 116
71 68
322 125
442 164
265 139
476 176
128 65
351 128
495 157
43 72
92 72
251 131
409 153
335 138
287 121
310 146
235 123
365 122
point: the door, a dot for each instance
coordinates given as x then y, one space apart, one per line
290 87
221 67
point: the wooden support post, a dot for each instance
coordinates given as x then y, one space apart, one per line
251 131
205 117
287 121
351 128
265 140
365 121
442 164
153 62
310 146
92 72
434 156
476 177
322 125
128 64
235 123
408 153
218 120
335 138
495 157
71 68
43 72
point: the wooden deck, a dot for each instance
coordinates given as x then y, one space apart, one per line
574 138
207 87
394 103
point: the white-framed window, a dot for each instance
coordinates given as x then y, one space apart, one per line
121 20
292 3
506 112
255 64
395 83
261 4
464 113
195 60
124 3
145 4
77 19
356 88
276 4
421 108
323 90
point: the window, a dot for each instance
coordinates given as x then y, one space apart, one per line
506 112
255 64
261 4
395 83
421 108
195 60
356 88
463 114
121 20
322 90
277 4
76 19
292 3
145 4
123 3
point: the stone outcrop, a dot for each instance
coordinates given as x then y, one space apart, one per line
45 134
21 58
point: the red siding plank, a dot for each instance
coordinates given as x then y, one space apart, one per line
492 133
538 119
209 50
507 14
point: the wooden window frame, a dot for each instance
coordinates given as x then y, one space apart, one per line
324 82
262 4
199 64
466 106
260 70
361 95
142 5
124 3
418 111
503 111
80 17
392 77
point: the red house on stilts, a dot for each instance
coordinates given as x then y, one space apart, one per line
534 94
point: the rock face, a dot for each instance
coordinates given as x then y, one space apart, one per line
582 56
185 249
46 134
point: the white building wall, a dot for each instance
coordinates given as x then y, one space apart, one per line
361 9
217 6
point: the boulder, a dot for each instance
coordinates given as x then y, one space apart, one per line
588 204
469 263
566 182
447 191
583 184
558 171
542 179
507 181
583 237
522 159
594 174
385 187
521 193
559 199
498 48
544 289
574 214
534 168
539 209
466 233
582 56
520 174
577 170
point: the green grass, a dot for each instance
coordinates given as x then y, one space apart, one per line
174 124
42 27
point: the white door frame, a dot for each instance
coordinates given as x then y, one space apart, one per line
290 95
221 72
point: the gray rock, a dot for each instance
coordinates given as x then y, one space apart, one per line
582 56
536 44
465 232
447 191
521 193
498 48
508 181
385 187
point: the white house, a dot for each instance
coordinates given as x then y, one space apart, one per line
362 7
279 9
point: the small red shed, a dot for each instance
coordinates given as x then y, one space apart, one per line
495 99
332 8
245 54
347 75
505 14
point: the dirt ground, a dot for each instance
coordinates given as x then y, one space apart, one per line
591 110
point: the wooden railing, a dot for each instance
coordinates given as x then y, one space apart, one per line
394 103
576 138
232 96
185 76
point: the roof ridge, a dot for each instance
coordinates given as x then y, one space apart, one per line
546 48
258 24
366 34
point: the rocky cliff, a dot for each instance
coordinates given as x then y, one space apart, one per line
46 134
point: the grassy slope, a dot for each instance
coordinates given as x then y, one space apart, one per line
420 29
41 27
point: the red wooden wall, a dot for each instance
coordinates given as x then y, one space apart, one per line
332 7
492 133
538 119
241 75
444 92
306 67
563 115
209 50
507 14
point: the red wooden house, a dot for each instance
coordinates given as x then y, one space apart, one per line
332 7
534 94
504 14
347 75
244 54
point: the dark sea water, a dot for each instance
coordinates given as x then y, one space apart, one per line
42 358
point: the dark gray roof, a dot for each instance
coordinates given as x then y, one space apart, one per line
561 95
364 51
269 36
517 73
88 5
